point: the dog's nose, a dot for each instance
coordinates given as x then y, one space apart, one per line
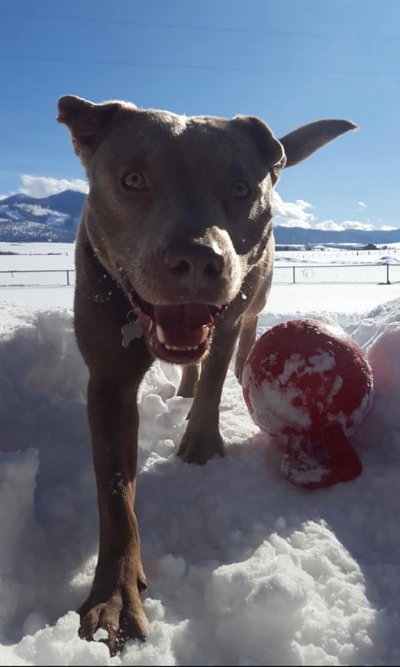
195 260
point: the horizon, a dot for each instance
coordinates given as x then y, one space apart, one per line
288 63
286 223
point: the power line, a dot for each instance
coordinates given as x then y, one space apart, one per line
227 68
181 26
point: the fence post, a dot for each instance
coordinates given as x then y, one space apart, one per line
67 277
294 274
387 274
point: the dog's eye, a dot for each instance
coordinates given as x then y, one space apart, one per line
134 180
240 190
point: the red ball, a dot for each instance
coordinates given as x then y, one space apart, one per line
310 386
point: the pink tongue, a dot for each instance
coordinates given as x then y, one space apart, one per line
183 324
187 315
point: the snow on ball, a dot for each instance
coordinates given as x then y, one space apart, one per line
309 385
303 375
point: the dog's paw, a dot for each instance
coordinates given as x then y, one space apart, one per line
116 619
200 447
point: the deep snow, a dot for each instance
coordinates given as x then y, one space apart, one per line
243 568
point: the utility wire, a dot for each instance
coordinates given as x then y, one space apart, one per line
227 68
181 26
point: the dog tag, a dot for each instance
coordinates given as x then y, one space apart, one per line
131 330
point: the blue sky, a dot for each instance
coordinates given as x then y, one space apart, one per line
289 62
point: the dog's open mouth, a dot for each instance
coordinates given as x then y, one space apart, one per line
178 333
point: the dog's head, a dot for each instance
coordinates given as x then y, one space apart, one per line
179 208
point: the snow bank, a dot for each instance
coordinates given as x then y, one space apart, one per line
243 568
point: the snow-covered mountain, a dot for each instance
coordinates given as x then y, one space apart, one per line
56 218
53 218
302 236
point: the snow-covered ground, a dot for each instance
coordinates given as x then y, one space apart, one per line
243 568
36 256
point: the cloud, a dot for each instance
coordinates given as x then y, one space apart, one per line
286 214
331 225
43 186
297 214
388 228
291 214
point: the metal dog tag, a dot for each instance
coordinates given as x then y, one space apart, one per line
131 330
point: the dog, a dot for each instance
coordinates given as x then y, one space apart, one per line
174 260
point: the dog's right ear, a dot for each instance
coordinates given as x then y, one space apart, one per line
264 139
87 122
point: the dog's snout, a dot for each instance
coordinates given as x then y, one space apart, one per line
195 260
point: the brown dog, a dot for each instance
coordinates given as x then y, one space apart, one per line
176 249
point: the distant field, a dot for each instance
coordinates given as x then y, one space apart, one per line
336 287
329 265
30 256
61 255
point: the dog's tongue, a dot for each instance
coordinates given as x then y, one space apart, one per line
183 324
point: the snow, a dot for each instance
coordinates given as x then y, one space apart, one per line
273 405
53 217
243 568
6 210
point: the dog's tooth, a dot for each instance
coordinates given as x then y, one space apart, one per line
160 334
175 348
204 335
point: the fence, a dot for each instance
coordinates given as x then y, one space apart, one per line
37 278
309 273
337 273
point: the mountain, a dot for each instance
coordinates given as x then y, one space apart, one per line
56 218
301 236
53 218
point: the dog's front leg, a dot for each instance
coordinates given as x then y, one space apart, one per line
248 333
114 603
202 438
190 376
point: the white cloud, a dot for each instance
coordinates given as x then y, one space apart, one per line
329 226
286 214
43 186
297 214
291 214
388 228
333 226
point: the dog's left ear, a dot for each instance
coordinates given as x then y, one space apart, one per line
307 139
87 122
